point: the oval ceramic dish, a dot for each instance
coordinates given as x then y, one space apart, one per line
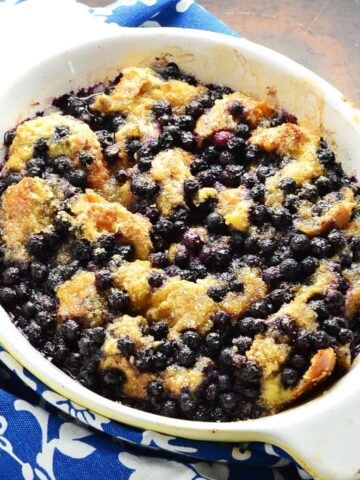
321 434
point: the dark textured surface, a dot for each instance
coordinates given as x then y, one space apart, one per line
321 35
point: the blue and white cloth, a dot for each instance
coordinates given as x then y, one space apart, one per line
47 437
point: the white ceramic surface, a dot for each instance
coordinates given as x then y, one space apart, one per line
323 433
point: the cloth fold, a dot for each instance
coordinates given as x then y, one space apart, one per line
43 435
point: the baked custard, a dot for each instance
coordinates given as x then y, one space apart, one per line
181 248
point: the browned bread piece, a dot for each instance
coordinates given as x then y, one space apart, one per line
300 145
338 208
234 204
139 88
79 300
94 216
220 118
28 207
170 169
76 139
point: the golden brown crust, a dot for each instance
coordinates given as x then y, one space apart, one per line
176 378
343 356
94 216
219 118
271 352
352 299
322 365
28 207
268 354
234 204
131 327
254 290
80 139
113 192
276 397
156 322
79 300
297 143
143 128
112 358
139 88
204 194
170 169
133 277
298 309
135 382
134 97
337 215
184 305
285 139
129 130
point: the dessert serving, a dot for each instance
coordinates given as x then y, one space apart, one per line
181 248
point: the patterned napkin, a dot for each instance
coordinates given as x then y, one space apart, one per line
43 435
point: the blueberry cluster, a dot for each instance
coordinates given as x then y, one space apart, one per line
193 243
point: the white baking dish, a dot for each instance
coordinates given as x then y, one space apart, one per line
321 434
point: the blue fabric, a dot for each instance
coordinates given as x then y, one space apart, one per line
168 13
44 436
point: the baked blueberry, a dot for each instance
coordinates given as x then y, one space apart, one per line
281 217
7 296
320 247
77 177
70 331
215 222
191 187
300 243
194 109
156 279
121 176
288 184
257 192
161 107
11 276
185 356
159 329
155 388
290 376
186 402
9 136
126 346
103 279
259 215
250 326
143 186
289 269
118 300
213 341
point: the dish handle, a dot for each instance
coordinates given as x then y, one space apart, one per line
323 435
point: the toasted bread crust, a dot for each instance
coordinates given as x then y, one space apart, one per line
95 217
